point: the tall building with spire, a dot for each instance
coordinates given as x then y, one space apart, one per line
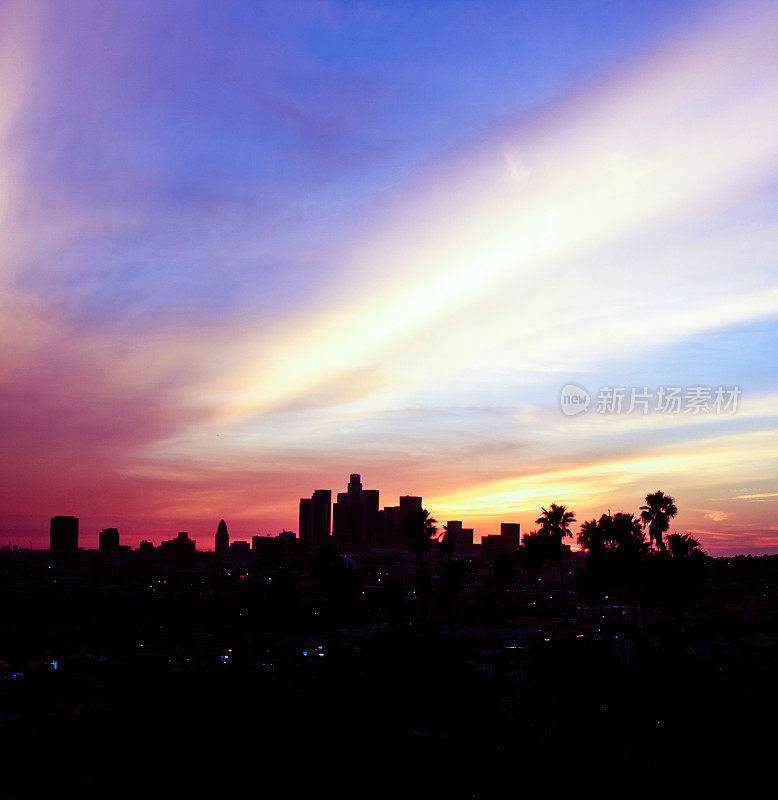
222 540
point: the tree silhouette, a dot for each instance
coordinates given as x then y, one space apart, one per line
683 545
420 529
629 548
679 575
594 537
627 533
554 525
448 542
656 515
615 547
452 577
590 537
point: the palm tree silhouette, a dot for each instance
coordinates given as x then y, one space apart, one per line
682 572
656 515
420 529
629 547
683 545
590 536
627 533
594 538
448 542
554 525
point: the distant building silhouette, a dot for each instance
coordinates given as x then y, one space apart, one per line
222 540
355 518
63 536
109 539
511 534
391 523
305 521
507 539
240 552
315 519
180 548
272 552
463 537
387 525
322 516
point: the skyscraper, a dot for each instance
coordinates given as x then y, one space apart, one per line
315 521
510 533
305 526
391 523
321 517
109 539
63 536
222 540
463 537
507 540
387 525
408 503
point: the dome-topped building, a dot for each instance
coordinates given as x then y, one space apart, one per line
222 544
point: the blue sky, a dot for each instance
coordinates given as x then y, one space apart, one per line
249 248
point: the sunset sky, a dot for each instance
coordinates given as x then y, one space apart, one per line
247 248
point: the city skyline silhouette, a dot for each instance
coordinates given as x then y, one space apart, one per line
388 401
640 639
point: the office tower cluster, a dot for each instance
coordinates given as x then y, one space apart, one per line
357 523
360 526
